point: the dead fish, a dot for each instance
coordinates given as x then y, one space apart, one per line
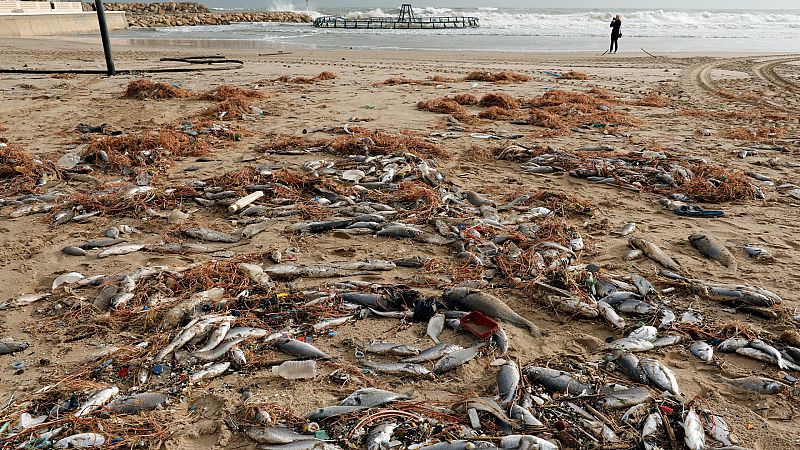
730 345
306 444
490 406
205 234
81 440
668 340
136 403
626 230
759 385
435 327
112 233
625 398
758 344
256 274
387 348
702 350
694 435
500 340
255 228
8 346
652 424
477 199
661 376
646 333
218 351
713 249
398 231
634 306
524 415
557 381
414 370
630 365
474 300
507 382
619 296
332 411
301 349
667 318
74 251
634 254
276 435
525 442
748 294
642 285
757 252
655 253
179 248
100 243
209 372
120 250
379 436
456 359
719 429
372 397
436 352
96 401
631 344
331 323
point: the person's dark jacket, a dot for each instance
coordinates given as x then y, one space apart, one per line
615 26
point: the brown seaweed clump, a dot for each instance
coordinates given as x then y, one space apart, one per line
497 77
146 89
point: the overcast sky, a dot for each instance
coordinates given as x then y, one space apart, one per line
594 4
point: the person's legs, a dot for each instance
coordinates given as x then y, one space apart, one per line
612 45
616 45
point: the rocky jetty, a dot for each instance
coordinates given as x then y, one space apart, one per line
175 14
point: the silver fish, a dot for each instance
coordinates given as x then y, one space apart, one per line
619 296
667 340
96 401
626 230
332 411
713 249
276 435
667 318
379 436
655 253
634 306
525 442
645 333
301 349
610 315
8 346
507 382
758 344
702 350
642 285
473 300
631 344
387 348
205 234
209 372
731 344
661 376
500 339
524 415
694 435
435 327
372 397
556 380
624 398
456 359
651 424
81 440
436 352
136 403
759 385
719 429
414 370
630 364
217 336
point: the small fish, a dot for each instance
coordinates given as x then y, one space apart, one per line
276 435
557 381
436 352
379 436
332 411
646 333
759 385
205 234
136 403
331 323
100 243
74 251
522 441
217 336
655 253
702 350
630 364
507 382
96 401
694 435
627 229
387 348
524 415
218 351
301 349
661 376
730 345
414 370
757 252
618 296
81 440
372 397
667 319
668 340
713 249
112 233
642 285
120 250
435 327
8 346
719 429
634 306
626 397
456 359
632 255
500 339
652 424
758 344
631 344
209 372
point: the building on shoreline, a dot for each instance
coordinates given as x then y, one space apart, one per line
28 18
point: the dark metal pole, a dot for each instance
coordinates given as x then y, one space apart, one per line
101 18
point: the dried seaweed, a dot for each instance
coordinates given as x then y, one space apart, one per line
146 89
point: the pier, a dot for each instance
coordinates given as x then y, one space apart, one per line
406 20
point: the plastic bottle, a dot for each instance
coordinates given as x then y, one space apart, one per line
294 370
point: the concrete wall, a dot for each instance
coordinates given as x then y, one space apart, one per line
49 24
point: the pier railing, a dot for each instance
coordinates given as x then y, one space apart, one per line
396 23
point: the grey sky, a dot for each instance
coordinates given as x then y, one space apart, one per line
609 4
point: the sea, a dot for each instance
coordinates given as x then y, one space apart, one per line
508 30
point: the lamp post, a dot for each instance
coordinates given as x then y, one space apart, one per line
101 18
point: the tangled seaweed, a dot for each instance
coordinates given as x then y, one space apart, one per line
146 89
497 77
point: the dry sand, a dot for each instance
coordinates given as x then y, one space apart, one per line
40 114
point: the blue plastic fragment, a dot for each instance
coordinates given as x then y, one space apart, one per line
158 369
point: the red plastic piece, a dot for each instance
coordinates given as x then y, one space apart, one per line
667 410
122 372
479 324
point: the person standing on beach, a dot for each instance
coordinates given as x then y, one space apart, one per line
616 23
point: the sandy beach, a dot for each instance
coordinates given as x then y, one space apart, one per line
724 115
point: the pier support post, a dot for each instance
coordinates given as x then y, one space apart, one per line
101 19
